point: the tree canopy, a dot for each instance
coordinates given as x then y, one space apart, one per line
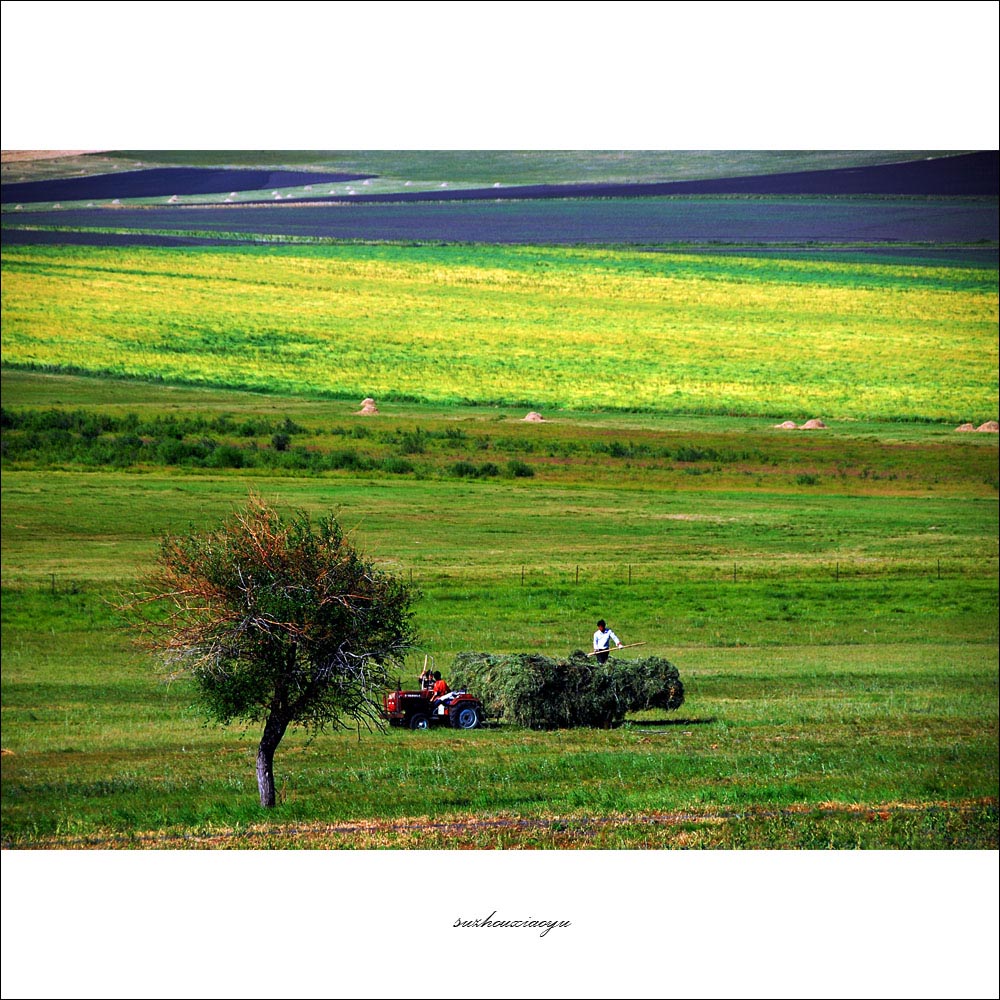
278 620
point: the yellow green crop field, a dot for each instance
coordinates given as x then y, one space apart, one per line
540 327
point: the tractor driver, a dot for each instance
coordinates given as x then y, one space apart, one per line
440 688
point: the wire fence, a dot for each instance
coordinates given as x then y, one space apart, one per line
647 573
628 574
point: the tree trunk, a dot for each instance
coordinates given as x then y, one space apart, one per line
274 729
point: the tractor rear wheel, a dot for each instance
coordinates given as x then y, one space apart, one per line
465 717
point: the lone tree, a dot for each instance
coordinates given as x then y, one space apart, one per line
278 621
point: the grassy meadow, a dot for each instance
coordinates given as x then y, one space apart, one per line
581 329
829 596
830 599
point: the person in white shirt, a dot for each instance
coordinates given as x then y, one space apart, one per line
603 638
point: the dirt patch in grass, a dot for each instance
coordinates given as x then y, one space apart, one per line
969 824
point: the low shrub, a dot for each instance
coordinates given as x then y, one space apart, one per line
517 469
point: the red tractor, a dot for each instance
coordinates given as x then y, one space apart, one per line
420 710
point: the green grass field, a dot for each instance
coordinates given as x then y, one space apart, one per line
536 327
830 597
830 600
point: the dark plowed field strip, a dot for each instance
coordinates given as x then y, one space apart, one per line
599 221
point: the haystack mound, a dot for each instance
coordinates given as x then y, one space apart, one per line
813 425
368 407
788 425
532 690
965 428
535 418
990 427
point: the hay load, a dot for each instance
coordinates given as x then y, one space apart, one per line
810 425
990 427
368 407
540 692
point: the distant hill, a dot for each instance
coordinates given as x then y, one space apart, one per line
474 168
967 174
